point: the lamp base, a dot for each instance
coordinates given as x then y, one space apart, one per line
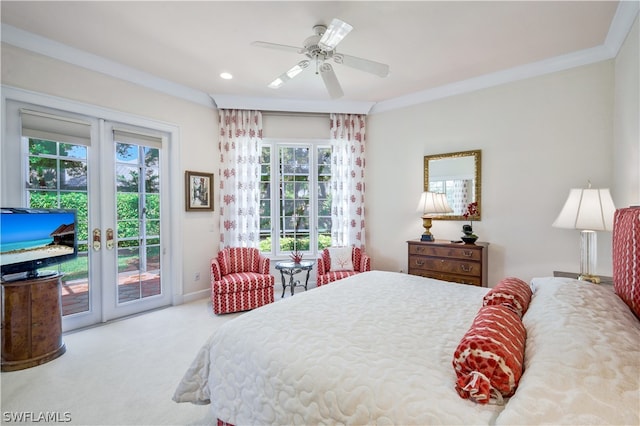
591 278
427 237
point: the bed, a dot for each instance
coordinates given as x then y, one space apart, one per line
378 348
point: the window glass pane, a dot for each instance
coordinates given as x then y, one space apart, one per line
152 180
40 147
43 173
73 175
127 178
128 259
151 157
152 206
127 206
153 227
73 151
126 153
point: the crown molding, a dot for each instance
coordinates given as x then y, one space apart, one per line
547 66
291 105
62 52
621 24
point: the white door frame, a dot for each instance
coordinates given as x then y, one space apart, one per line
12 171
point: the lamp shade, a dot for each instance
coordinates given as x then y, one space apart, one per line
587 209
432 203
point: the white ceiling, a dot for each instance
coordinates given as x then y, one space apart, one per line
427 44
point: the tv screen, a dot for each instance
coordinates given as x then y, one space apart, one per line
35 238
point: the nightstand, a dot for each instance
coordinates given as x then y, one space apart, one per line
603 279
447 261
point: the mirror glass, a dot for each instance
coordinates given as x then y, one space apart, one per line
456 174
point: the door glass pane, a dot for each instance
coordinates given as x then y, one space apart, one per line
57 182
138 221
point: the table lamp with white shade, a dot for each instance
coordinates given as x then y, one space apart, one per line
431 204
588 210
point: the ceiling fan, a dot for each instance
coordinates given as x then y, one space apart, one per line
318 49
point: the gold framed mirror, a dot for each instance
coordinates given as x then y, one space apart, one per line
458 175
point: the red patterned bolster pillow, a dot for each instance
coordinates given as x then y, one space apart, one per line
488 361
511 292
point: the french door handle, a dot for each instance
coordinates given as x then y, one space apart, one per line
97 239
109 239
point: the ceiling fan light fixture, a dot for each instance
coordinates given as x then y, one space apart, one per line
297 69
291 73
276 83
337 30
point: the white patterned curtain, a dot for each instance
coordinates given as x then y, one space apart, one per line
347 179
239 144
461 195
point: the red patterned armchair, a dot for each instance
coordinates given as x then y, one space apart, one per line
336 263
240 280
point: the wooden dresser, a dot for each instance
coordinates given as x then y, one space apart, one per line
444 260
31 322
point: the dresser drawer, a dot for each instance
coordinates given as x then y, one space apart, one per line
448 266
454 251
447 261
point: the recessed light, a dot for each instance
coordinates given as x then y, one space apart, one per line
226 76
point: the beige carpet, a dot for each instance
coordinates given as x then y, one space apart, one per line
121 373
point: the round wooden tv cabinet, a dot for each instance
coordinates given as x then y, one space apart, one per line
31 322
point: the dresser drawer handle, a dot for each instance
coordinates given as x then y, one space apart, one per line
467 253
419 249
420 262
466 268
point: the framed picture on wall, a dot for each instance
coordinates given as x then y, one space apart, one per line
198 191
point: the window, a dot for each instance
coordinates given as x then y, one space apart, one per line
295 197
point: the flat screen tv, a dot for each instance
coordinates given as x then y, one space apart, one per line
31 239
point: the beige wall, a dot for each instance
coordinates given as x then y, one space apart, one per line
626 124
539 138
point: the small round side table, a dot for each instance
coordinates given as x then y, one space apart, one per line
291 268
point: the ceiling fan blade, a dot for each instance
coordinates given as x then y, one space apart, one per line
290 74
331 81
377 68
277 46
334 34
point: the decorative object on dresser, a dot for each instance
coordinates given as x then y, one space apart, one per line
589 210
447 261
431 204
467 230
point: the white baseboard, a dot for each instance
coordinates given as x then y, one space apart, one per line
196 295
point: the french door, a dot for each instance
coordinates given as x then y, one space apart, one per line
115 176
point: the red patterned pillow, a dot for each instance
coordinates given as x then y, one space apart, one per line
488 361
511 292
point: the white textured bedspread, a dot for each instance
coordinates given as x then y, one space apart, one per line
375 348
582 358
